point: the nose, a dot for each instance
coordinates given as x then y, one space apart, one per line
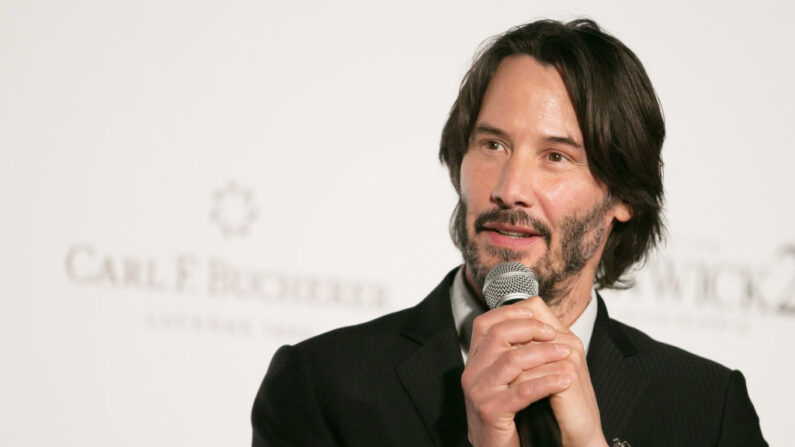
514 188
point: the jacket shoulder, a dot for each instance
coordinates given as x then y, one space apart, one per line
661 358
392 335
707 401
352 340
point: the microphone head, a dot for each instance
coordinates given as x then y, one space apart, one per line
507 283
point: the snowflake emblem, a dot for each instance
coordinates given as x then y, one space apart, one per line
233 210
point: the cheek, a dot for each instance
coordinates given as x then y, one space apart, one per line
562 198
554 196
473 183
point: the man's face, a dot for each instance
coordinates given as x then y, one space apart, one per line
527 193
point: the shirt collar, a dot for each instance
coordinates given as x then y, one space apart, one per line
466 307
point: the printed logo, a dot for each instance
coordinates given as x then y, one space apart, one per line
233 210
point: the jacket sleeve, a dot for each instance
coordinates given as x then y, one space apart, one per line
740 425
287 410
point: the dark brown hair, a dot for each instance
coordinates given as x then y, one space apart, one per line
619 116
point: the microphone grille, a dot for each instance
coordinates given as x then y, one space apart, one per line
509 281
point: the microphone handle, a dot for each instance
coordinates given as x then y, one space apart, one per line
537 426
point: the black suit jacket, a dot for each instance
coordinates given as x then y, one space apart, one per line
396 381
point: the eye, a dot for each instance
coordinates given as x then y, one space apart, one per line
555 157
493 145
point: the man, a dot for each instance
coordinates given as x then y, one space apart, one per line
553 146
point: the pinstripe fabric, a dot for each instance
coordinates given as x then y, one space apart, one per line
650 393
395 381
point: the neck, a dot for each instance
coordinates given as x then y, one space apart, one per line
569 308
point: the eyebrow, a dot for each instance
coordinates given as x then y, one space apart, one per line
485 128
489 129
568 141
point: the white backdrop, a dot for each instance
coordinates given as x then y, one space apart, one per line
187 185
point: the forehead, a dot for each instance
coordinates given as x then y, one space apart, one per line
528 98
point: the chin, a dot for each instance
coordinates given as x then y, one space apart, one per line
494 254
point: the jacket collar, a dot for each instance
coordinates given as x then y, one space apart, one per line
432 373
617 382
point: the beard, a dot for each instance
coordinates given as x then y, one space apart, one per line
580 238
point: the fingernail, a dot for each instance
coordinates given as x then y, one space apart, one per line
549 329
565 349
565 381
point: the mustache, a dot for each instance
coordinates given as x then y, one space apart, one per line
512 217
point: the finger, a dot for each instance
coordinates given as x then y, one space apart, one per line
516 363
541 311
485 321
562 367
502 337
519 395
576 345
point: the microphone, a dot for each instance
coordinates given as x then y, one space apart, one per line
506 284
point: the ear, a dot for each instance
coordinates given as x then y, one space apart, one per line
622 211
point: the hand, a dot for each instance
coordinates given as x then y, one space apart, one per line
575 408
520 354
506 344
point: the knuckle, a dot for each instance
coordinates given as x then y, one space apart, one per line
552 351
521 308
465 379
576 357
480 325
568 368
550 381
483 410
497 332
478 393
541 327
527 390
511 357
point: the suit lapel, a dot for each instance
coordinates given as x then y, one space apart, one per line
432 373
618 384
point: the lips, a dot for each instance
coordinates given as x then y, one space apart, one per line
509 230
509 236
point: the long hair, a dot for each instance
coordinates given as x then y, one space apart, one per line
619 116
